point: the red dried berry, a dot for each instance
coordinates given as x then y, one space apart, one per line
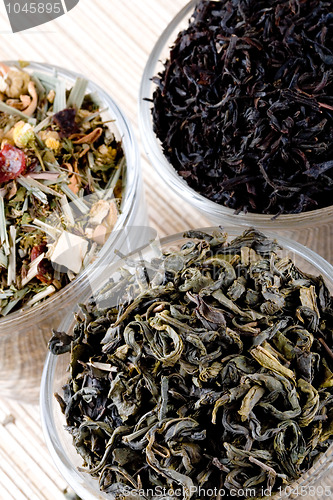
45 271
44 268
12 163
37 250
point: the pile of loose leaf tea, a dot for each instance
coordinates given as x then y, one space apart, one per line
61 172
244 105
208 368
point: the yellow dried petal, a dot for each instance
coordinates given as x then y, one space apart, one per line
51 139
51 96
113 153
52 143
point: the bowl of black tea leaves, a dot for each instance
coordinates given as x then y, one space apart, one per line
236 114
198 368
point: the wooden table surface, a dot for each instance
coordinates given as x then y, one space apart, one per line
108 41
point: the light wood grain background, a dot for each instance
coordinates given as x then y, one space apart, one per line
108 41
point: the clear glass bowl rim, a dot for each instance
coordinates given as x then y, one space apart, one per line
133 178
47 399
169 175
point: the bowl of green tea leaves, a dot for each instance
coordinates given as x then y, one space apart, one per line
65 154
200 369
236 110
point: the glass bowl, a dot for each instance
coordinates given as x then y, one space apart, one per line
24 334
313 229
55 375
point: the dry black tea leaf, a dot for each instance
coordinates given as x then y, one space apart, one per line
244 106
209 367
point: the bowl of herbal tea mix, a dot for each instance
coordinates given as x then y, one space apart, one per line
70 183
236 111
199 369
